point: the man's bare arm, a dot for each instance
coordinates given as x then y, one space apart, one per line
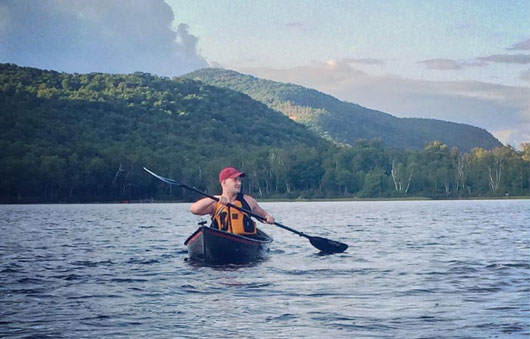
203 206
256 208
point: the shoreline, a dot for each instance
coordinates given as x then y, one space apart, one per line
353 199
523 197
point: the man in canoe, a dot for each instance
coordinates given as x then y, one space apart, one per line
228 218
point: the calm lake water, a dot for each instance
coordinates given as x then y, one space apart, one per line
413 270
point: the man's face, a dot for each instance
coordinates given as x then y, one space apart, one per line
232 185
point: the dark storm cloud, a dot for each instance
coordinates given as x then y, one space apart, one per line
114 36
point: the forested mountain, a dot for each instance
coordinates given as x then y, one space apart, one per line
86 137
344 122
83 133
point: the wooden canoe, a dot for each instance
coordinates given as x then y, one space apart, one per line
213 246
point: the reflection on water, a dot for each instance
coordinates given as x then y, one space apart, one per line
413 269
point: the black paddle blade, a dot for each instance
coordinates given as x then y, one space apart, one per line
327 246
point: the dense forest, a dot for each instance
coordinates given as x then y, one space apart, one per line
343 122
86 137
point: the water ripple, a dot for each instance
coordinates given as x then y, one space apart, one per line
413 270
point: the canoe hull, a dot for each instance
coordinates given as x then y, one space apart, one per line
214 246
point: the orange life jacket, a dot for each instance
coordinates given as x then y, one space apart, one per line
232 220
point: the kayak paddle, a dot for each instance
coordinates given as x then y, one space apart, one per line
323 244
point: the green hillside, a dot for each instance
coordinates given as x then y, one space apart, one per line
84 133
86 137
344 122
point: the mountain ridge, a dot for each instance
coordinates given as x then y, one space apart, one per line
76 133
86 137
344 122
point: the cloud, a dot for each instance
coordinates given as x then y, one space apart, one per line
514 137
118 36
364 61
525 76
453 65
520 46
299 27
507 58
318 73
442 64
490 106
215 64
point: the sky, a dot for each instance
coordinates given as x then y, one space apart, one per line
461 61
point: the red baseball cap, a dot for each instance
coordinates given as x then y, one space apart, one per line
230 173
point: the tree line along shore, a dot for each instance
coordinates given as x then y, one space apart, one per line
85 138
